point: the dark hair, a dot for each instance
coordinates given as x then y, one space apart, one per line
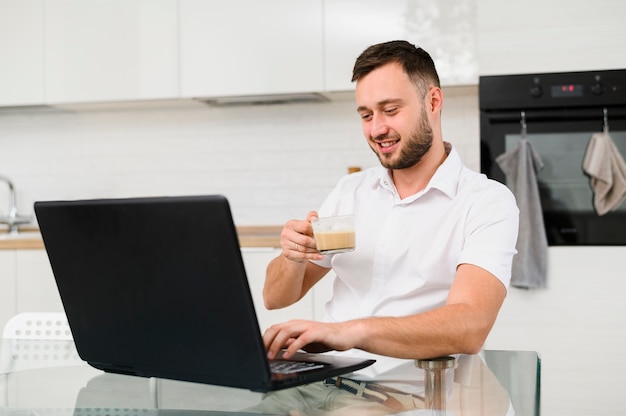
415 61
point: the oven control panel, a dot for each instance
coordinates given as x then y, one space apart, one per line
553 90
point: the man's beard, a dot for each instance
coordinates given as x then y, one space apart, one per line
413 147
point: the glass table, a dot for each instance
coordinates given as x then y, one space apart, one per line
39 378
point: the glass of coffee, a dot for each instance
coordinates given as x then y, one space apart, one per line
334 234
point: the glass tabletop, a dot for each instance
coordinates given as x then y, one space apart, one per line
47 377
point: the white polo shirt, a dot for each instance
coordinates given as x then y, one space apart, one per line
407 251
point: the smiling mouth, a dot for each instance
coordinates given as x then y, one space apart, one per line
387 146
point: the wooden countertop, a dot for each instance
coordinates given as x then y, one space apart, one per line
259 235
249 236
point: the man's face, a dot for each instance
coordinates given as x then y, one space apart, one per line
394 117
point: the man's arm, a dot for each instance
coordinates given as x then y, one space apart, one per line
291 275
460 326
288 281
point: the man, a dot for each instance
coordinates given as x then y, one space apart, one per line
435 241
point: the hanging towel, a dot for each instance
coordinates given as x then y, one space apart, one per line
530 265
607 173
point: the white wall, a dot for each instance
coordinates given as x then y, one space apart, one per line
536 36
578 326
277 162
273 162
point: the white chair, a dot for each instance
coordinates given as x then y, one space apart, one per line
44 339
38 325
36 340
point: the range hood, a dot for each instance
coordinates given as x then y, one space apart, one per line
268 99
177 103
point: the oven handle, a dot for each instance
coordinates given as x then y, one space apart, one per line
582 114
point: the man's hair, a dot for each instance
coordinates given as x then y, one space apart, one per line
415 61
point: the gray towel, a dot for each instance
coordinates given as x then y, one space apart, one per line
607 173
530 264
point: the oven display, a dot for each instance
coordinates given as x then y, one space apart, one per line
567 90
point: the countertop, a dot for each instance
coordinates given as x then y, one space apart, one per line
29 238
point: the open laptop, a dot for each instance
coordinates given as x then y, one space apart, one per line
156 287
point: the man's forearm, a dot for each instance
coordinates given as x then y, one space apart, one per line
443 331
283 283
460 326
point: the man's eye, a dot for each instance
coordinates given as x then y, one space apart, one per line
366 117
391 110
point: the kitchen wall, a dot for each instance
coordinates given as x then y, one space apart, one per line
274 162
277 162
577 326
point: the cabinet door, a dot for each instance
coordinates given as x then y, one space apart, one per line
250 47
550 36
445 29
21 52
256 261
36 288
105 50
8 306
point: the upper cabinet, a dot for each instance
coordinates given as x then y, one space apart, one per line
21 52
76 51
445 29
249 47
538 36
110 50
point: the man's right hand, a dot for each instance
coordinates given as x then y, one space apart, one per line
297 242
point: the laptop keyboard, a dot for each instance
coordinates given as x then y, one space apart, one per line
290 367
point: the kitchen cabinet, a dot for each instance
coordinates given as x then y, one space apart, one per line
445 29
7 286
110 50
556 36
255 261
247 47
21 52
311 306
36 287
27 285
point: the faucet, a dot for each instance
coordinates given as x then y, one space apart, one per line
13 220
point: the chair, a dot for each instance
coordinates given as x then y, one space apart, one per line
33 340
44 339
38 325
36 340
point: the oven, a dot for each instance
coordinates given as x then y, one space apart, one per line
558 113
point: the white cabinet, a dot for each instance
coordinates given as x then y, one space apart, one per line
7 286
250 47
107 50
445 29
550 36
255 262
27 284
310 307
36 287
21 52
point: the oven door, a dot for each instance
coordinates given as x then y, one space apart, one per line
560 138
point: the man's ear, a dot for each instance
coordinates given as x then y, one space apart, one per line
435 99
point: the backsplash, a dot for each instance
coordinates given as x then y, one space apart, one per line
273 162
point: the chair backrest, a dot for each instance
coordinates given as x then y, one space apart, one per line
38 325
33 340
36 340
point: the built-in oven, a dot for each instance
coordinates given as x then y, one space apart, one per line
558 113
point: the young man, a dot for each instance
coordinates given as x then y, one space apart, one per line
435 241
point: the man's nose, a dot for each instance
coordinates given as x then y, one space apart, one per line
378 126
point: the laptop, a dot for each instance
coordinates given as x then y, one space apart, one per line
156 287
